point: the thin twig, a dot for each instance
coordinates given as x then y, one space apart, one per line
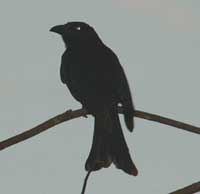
68 115
194 188
167 121
85 182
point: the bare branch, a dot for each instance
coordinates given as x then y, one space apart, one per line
167 121
68 115
194 188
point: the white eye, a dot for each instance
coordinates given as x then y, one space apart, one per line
78 28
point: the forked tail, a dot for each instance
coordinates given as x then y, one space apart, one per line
109 145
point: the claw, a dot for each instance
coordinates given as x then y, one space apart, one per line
85 112
85 116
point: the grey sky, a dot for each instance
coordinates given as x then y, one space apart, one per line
158 44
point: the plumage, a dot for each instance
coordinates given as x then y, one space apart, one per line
96 79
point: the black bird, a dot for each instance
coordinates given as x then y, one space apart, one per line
96 79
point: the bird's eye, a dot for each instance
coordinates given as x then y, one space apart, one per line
78 28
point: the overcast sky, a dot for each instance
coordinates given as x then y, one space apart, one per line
158 44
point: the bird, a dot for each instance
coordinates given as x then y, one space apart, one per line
95 78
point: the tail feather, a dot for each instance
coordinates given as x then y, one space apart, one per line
120 152
100 151
109 145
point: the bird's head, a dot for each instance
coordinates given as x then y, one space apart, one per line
76 33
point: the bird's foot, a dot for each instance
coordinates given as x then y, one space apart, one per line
85 114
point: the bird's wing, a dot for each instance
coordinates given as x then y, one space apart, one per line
123 91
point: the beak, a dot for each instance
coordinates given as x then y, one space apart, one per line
59 29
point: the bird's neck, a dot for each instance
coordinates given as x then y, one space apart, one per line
82 47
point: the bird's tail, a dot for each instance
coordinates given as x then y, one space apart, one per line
109 145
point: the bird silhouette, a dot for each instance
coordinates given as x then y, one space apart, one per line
96 79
